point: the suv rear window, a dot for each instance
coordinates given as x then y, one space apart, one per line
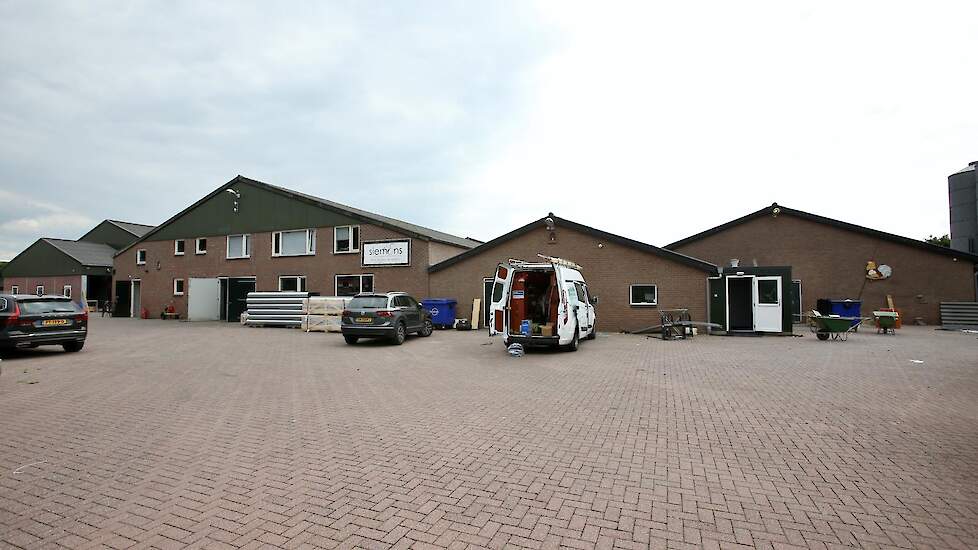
41 307
368 302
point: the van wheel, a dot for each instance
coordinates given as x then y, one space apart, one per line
593 334
400 334
572 346
73 346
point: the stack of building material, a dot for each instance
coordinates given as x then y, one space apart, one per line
283 309
323 313
959 315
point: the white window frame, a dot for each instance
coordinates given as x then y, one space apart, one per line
354 246
39 290
197 249
336 281
245 245
180 292
14 289
66 291
643 304
298 278
179 252
141 252
310 243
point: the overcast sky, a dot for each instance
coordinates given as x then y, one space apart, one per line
654 121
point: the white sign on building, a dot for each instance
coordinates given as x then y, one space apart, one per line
386 253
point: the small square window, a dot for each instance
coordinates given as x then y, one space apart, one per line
346 239
178 287
201 246
179 247
39 290
292 283
66 291
643 295
141 256
14 289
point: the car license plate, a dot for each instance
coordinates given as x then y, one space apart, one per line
55 322
364 320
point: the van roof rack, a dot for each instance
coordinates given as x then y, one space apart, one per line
561 261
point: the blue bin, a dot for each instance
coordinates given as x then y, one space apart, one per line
442 311
847 308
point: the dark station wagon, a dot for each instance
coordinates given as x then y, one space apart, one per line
393 315
28 321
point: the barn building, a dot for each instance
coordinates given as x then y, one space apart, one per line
632 280
248 235
837 260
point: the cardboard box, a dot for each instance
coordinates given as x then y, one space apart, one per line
547 329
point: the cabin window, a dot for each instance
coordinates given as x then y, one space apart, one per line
346 239
351 285
178 287
179 247
200 246
294 243
239 246
292 283
141 256
643 295
767 291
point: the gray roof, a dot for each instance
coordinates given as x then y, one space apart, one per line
87 254
432 234
136 229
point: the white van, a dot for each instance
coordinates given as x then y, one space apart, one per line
541 304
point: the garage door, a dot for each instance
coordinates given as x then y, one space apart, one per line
204 300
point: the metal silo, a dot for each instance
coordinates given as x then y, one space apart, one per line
963 190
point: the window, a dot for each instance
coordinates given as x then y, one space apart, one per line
346 239
201 246
39 290
239 246
294 243
14 289
579 289
66 291
643 295
767 291
351 285
179 247
141 256
178 287
292 283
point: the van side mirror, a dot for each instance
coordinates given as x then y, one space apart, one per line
594 300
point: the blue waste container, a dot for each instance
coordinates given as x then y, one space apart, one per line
442 311
847 308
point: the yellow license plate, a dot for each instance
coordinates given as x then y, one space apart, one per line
55 322
364 320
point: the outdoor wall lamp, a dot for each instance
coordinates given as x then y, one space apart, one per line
236 197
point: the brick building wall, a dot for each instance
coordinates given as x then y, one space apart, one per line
156 284
831 263
52 285
609 270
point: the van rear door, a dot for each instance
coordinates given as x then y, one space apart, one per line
499 300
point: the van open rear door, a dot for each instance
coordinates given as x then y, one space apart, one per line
499 299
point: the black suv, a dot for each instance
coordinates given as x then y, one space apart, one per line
28 321
392 315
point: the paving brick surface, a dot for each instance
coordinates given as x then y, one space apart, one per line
176 435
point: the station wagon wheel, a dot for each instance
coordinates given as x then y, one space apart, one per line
427 329
400 334
351 339
73 346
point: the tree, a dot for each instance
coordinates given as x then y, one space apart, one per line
944 240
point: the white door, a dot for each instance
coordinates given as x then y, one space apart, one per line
204 300
768 304
134 298
499 299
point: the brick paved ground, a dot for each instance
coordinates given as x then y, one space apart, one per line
166 434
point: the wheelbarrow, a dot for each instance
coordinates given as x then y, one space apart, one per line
886 321
834 327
